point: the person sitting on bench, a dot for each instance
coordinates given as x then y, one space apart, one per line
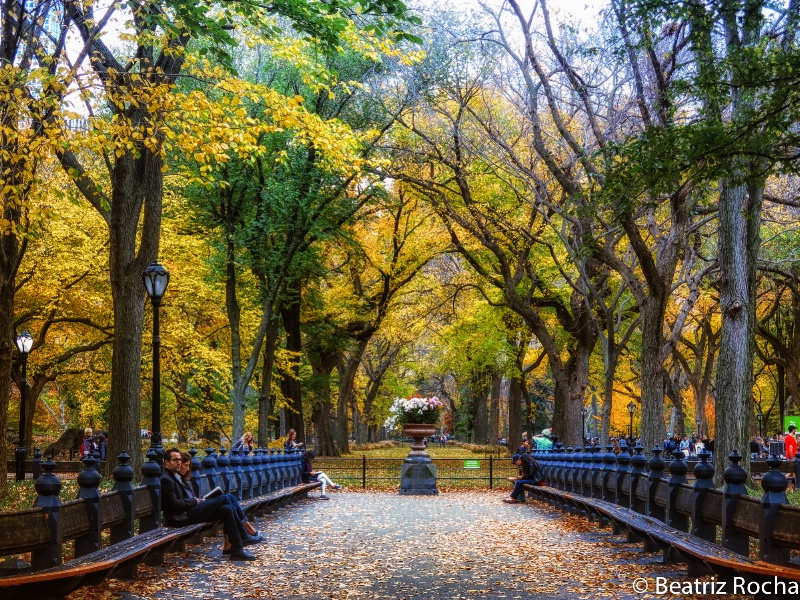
186 476
181 507
291 444
309 474
531 474
244 445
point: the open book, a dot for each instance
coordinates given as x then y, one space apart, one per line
217 491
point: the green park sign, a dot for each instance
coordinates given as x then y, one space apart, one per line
472 464
791 420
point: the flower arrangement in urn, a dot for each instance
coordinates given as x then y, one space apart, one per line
414 410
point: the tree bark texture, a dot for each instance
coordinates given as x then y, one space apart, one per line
7 279
290 384
515 418
137 194
494 407
266 405
348 368
322 365
739 244
479 391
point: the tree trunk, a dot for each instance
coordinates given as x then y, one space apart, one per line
137 182
608 405
36 384
290 315
359 430
739 244
480 412
348 368
571 378
515 413
234 312
7 286
372 434
182 414
322 364
569 398
494 407
653 430
266 406
672 389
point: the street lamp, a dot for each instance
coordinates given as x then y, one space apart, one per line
760 417
584 412
631 410
24 345
156 278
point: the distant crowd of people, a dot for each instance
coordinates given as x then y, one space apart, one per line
691 446
761 448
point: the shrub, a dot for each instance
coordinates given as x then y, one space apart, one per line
373 445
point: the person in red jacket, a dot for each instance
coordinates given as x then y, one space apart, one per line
791 443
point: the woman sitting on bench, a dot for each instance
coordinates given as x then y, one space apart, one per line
182 506
186 475
309 474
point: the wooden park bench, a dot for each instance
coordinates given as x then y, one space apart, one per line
681 520
263 483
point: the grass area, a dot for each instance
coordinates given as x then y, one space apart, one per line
792 494
456 468
22 494
434 450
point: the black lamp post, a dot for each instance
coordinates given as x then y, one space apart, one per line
24 344
584 412
156 278
760 417
631 410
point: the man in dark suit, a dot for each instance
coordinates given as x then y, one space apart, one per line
182 507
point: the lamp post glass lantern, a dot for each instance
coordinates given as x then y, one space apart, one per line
631 410
155 279
760 417
24 344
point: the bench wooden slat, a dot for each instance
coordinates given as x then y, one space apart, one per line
75 517
96 566
142 504
23 530
785 531
112 509
709 553
748 515
685 501
105 558
712 507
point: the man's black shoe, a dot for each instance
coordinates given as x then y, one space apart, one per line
252 539
240 554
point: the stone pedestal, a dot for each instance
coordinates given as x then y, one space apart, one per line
418 473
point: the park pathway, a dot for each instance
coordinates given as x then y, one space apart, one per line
385 546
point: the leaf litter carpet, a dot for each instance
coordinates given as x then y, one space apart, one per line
378 545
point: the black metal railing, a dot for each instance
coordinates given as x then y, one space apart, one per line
381 473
